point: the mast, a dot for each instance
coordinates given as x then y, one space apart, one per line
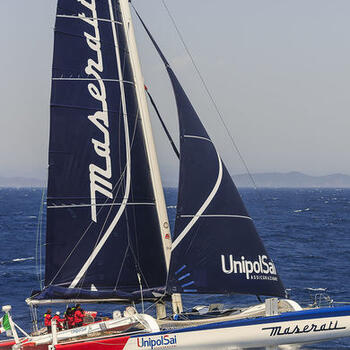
147 130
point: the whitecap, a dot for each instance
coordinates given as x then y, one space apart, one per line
301 210
316 289
23 259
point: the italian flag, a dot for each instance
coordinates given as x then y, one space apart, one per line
4 323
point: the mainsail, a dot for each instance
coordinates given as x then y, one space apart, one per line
216 248
104 229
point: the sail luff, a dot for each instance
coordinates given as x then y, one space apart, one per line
147 131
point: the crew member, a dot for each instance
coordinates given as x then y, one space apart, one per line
69 316
78 316
47 320
59 321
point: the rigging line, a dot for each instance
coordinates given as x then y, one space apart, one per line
163 124
38 255
209 94
204 206
160 300
137 118
37 245
117 187
129 246
83 235
121 268
41 237
119 184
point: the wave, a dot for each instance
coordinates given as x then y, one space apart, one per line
316 289
16 260
301 210
23 259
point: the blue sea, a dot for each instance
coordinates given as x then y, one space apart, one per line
306 231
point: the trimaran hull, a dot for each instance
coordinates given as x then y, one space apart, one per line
96 61
299 327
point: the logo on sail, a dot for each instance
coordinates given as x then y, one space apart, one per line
262 268
99 176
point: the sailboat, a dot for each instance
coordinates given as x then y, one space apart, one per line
108 236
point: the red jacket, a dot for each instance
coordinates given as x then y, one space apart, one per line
59 321
47 319
70 320
78 316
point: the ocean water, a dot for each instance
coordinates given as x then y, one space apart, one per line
306 231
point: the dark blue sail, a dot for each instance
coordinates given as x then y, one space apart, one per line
102 225
216 248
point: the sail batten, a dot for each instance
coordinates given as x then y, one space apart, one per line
97 205
90 18
94 79
217 216
180 235
198 137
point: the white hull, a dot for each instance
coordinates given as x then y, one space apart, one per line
299 327
246 334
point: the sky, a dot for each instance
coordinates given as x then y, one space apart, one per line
279 72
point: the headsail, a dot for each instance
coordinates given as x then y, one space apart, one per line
216 248
103 226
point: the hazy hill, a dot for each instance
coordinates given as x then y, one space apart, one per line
21 182
292 179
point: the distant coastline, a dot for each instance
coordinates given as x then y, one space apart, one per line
293 180
270 180
21 182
